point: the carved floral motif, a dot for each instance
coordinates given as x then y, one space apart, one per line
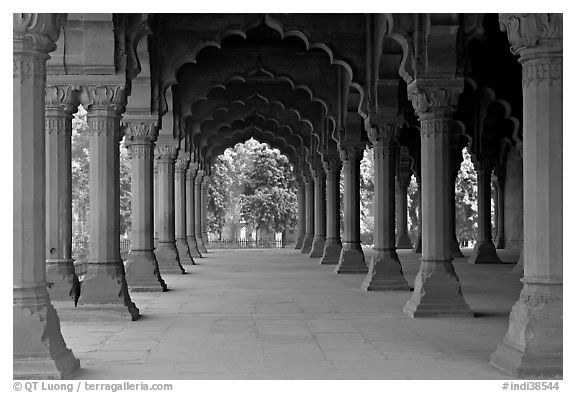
434 99
145 131
531 30
99 125
41 29
140 151
351 153
539 71
166 152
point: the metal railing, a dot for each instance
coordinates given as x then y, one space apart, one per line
80 251
244 243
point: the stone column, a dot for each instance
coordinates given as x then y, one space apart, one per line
351 257
190 206
39 350
319 211
437 290
333 246
403 240
105 280
513 205
499 210
166 252
61 103
204 211
155 186
309 236
301 213
533 345
385 270
142 271
418 242
198 210
484 250
180 169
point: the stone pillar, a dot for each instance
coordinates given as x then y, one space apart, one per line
166 252
437 290
385 270
39 350
61 103
418 242
351 257
403 240
533 345
203 216
309 196
499 212
105 280
333 246
180 169
142 271
301 213
319 211
513 200
190 206
484 250
198 210
155 186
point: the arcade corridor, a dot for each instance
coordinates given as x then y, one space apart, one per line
276 314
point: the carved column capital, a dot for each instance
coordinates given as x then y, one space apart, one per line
166 152
532 30
332 164
351 152
199 176
181 164
432 97
42 30
192 169
102 96
140 130
62 97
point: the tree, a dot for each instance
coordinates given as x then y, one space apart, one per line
466 201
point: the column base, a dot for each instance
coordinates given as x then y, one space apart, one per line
455 250
385 273
168 258
500 243
299 241
318 247
533 345
142 273
105 284
184 252
39 350
61 278
155 243
484 252
332 250
437 292
200 244
519 268
193 247
403 242
205 241
351 260
307 244
418 244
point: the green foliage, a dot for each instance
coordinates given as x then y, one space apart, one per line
255 184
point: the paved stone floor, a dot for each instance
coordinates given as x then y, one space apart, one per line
276 314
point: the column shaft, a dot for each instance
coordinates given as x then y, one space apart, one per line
105 280
39 350
403 240
198 210
484 250
190 207
533 345
385 270
499 210
309 196
319 213
142 271
301 231
60 274
333 246
166 252
437 290
180 209
204 211
351 257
